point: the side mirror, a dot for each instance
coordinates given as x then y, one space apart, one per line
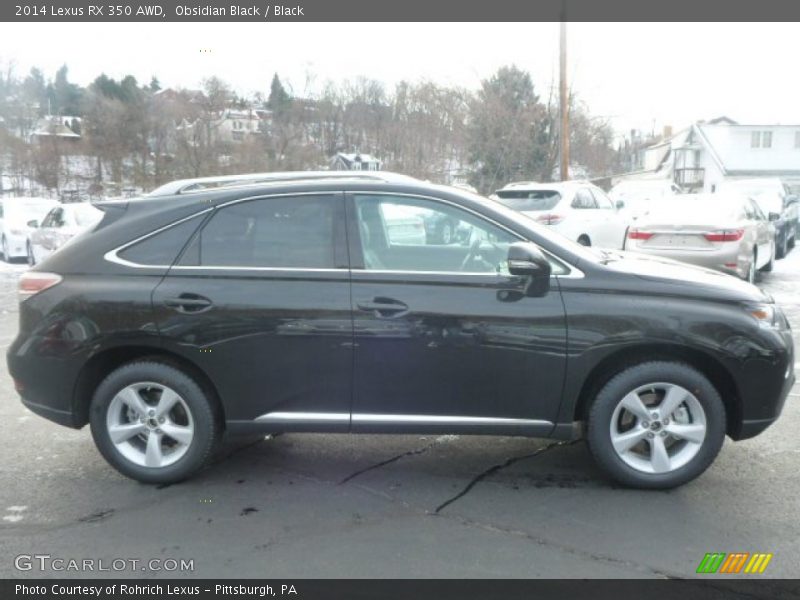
527 260
774 216
620 204
33 224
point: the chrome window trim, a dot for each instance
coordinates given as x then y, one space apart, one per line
113 257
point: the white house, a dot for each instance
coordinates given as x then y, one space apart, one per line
234 125
703 155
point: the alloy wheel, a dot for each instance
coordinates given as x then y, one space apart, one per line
150 424
658 428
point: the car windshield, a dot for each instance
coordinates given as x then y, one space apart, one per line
529 200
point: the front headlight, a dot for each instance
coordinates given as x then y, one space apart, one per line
768 316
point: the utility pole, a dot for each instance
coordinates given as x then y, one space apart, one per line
563 98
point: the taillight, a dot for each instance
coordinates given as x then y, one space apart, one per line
638 234
725 235
550 219
33 282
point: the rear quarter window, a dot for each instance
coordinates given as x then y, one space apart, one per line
162 248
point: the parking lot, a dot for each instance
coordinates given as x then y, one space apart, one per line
395 506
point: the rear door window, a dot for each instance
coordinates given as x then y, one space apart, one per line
286 232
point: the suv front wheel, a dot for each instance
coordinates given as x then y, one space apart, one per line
656 425
153 423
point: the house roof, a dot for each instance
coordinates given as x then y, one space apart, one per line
357 157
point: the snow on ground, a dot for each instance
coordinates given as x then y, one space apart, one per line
784 281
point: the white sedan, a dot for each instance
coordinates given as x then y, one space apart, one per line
60 225
578 210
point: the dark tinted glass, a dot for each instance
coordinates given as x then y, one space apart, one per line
163 247
291 232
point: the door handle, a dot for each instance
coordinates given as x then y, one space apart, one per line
384 307
189 303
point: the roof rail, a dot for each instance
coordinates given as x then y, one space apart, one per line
205 184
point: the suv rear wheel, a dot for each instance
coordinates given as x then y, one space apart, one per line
656 425
153 423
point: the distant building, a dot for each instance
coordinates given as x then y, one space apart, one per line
62 128
354 162
705 154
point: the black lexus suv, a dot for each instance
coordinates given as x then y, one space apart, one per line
316 302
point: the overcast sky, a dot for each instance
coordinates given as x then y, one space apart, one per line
638 75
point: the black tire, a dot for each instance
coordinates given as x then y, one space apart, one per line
31 258
584 240
606 401
206 426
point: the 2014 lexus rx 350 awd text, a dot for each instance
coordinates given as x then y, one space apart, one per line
316 302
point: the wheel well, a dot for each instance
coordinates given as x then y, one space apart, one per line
103 363
719 377
583 236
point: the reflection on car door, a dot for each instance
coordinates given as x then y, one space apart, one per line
444 335
260 301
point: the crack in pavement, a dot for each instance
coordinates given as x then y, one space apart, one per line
389 461
571 550
498 467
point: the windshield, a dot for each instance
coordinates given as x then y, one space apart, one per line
528 200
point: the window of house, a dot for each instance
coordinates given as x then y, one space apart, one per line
766 139
797 139
755 139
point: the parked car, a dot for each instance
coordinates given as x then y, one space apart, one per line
580 211
15 214
60 225
636 197
726 232
773 194
284 306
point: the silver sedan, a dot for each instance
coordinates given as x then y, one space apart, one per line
726 232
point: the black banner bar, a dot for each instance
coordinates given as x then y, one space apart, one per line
710 588
405 10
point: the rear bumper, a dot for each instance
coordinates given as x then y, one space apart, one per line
62 417
726 259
